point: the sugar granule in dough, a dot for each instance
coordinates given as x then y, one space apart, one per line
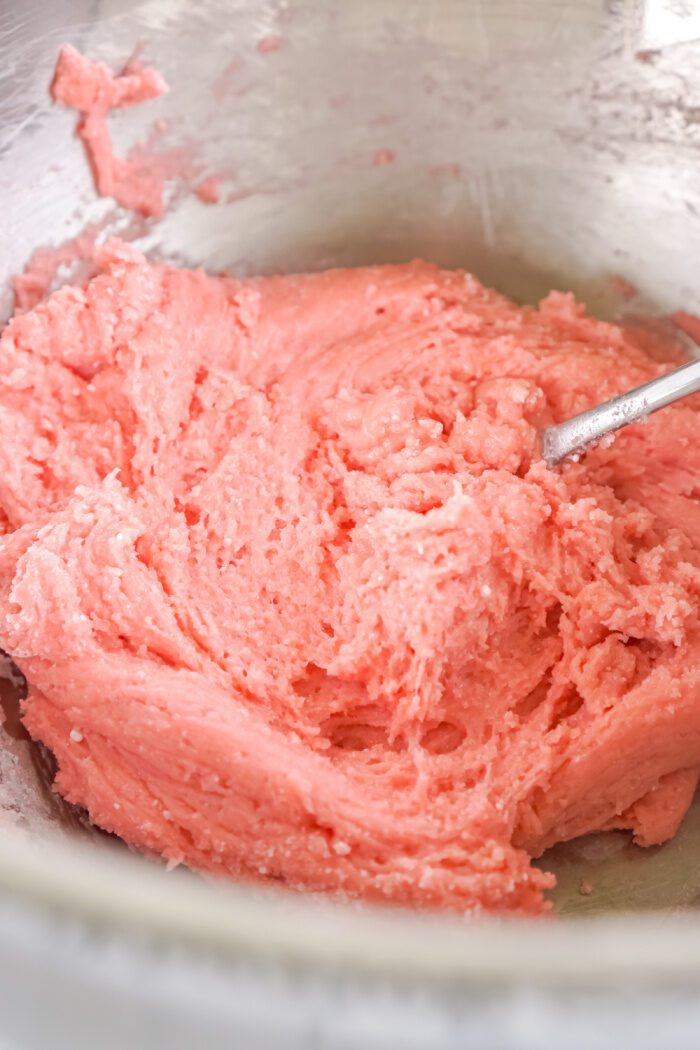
296 599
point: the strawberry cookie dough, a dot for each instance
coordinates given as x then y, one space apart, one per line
296 599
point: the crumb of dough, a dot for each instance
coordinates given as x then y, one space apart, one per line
208 190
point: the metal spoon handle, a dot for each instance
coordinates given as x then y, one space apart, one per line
574 435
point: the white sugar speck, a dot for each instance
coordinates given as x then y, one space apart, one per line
76 736
341 848
485 591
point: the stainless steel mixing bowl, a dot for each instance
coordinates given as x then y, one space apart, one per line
541 143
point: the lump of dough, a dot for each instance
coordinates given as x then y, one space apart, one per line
136 181
296 599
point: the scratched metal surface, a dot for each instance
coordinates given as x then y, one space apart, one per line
541 143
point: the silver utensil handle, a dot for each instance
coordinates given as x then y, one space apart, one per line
572 436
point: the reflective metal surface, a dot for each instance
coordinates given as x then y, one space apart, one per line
540 143
547 143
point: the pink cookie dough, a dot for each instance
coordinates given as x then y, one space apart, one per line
297 600
137 181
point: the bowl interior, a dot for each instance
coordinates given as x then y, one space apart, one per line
547 144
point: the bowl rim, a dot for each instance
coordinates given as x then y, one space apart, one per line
123 895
